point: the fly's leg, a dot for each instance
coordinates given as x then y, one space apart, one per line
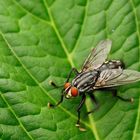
72 70
93 99
54 84
59 102
79 112
114 93
68 77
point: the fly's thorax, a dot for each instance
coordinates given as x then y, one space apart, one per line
85 81
70 91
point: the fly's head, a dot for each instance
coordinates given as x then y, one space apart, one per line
70 91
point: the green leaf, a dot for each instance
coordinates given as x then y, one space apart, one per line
40 40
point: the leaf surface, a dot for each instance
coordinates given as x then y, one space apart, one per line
41 40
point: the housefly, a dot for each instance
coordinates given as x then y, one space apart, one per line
97 73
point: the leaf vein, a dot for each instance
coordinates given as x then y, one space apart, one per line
28 12
82 27
58 34
13 112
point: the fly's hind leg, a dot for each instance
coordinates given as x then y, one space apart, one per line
93 99
114 93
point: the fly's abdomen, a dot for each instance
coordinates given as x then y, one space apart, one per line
112 64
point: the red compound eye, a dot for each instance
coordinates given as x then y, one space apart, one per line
66 85
74 91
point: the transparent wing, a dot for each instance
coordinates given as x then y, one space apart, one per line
98 55
117 77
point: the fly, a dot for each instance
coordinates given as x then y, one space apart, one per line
97 74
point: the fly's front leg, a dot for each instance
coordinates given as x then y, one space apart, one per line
93 99
114 93
79 112
72 70
59 102
55 85
68 77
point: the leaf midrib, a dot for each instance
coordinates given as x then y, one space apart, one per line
92 126
58 35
